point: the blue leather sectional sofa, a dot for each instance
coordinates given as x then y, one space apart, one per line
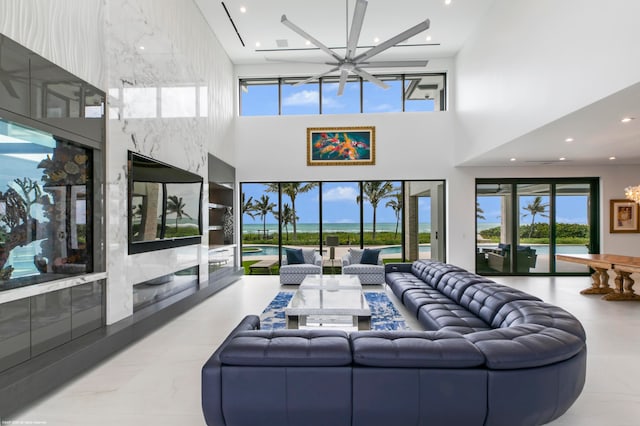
490 355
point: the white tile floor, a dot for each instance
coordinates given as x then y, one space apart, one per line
157 380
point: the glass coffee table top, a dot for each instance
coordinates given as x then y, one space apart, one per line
329 299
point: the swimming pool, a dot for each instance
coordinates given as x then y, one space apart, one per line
269 250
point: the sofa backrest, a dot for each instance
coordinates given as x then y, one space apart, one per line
485 299
519 312
455 283
431 271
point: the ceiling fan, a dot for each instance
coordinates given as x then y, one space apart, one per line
352 63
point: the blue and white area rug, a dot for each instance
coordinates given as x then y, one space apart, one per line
384 315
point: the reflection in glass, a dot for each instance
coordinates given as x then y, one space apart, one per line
45 199
424 92
165 204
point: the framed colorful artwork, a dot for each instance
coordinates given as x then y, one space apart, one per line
341 146
623 216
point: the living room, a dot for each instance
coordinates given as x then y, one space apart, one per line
508 95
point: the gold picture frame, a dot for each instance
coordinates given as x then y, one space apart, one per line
623 216
341 146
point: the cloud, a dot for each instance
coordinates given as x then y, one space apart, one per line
304 97
340 193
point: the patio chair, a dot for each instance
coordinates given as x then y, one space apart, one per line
307 262
366 264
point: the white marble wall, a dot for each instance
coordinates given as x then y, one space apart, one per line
172 101
170 98
69 33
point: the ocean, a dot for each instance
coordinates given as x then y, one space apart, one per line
346 227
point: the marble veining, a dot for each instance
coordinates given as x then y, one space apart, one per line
49 286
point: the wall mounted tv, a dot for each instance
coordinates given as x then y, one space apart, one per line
165 205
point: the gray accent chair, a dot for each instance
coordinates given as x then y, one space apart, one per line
368 274
294 274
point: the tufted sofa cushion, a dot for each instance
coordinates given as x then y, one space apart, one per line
414 349
533 312
288 348
525 346
486 299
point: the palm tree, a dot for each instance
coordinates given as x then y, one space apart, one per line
262 208
175 205
396 204
534 208
374 192
248 207
286 217
479 211
292 189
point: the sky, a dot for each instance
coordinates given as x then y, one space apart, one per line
339 205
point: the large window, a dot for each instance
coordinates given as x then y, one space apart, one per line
45 207
404 219
406 92
522 224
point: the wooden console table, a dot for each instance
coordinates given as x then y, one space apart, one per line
623 266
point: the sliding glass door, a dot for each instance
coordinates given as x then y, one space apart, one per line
521 224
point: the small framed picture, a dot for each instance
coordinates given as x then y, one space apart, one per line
341 146
623 216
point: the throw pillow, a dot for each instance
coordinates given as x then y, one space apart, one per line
355 255
294 256
309 255
370 257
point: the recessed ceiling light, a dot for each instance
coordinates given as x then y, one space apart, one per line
141 47
257 44
562 158
568 140
612 158
243 9
512 159
447 2
376 39
428 38
627 119
307 42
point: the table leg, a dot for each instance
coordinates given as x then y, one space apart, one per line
364 323
624 282
600 284
293 321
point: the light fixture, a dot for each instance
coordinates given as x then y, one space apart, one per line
512 159
376 39
257 44
562 158
307 43
612 158
243 9
141 47
632 193
428 38
626 119
447 2
568 140
332 242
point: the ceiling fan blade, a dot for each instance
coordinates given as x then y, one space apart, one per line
422 26
12 91
371 78
316 77
356 27
391 64
293 61
343 80
307 36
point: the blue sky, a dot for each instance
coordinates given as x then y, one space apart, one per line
569 209
340 206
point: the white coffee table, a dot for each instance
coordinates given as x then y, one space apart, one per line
329 300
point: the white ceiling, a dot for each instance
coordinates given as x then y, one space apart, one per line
596 129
